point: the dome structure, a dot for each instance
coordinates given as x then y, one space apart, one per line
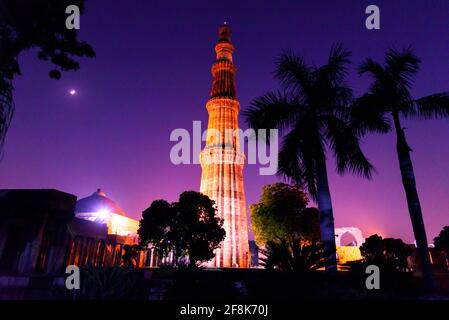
99 208
98 205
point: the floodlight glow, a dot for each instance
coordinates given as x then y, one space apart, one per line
102 214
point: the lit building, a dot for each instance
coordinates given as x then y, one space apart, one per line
222 161
41 234
99 208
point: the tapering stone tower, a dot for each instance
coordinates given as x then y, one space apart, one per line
222 161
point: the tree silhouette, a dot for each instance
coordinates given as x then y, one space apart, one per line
388 98
441 243
188 227
389 254
313 108
37 24
153 227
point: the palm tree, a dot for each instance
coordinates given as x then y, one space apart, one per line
293 256
313 112
388 98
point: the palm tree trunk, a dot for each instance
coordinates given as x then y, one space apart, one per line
326 217
6 107
414 206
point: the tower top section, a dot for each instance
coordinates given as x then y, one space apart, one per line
223 70
224 33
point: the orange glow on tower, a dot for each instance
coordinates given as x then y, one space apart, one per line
222 161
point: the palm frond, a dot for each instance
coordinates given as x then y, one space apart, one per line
270 111
402 66
368 115
290 163
293 256
293 72
342 96
430 107
381 84
297 156
308 257
330 89
373 68
346 148
336 68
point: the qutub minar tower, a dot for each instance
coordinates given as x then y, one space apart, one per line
222 161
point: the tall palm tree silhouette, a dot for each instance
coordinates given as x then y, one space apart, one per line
313 111
389 98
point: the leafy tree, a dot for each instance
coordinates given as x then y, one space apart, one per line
396 253
155 226
36 24
281 213
188 227
441 242
296 256
313 109
372 249
389 97
388 254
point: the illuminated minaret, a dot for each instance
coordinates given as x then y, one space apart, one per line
222 161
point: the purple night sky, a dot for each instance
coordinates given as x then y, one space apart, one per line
152 75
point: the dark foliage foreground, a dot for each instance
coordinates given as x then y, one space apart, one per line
255 285
106 283
268 285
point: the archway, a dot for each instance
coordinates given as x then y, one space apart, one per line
355 232
347 239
